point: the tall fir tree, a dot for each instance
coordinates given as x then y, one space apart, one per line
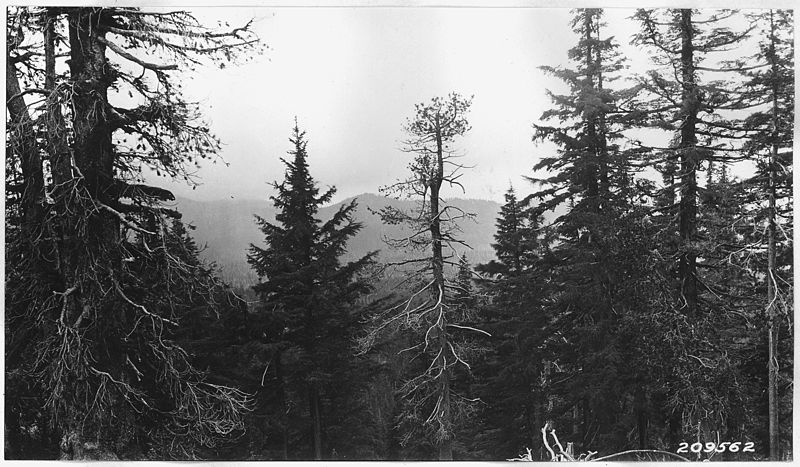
590 166
590 175
681 40
307 292
509 379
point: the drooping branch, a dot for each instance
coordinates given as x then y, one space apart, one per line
122 53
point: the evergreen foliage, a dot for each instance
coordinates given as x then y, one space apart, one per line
510 379
583 340
308 295
515 238
769 87
653 310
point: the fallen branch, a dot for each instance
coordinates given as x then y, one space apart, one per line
546 444
564 456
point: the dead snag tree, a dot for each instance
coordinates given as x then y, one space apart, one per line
429 312
92 100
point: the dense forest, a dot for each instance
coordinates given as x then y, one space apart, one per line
638 304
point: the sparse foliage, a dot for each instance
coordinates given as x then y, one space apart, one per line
428 314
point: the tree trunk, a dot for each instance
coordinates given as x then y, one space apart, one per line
57 145
93 148
23 142
284 417
774 440
316 420
446 445
537 423
675 432
444 416
687 214
640 408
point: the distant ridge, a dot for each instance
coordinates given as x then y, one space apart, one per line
227 228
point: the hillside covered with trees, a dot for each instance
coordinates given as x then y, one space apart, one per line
225 228
631 299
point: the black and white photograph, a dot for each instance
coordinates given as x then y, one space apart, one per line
399 231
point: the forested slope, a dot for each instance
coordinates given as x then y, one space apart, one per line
226 227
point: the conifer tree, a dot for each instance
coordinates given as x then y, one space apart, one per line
509 379
464 294
428 314
683 98
589 120
514 244
88 335
590 176
769 87
681 40
306 290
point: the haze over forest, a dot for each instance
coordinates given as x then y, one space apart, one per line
224 230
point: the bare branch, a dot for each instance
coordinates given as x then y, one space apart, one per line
122 53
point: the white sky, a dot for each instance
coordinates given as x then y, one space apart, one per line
352 77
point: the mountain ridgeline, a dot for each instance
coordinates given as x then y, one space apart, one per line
226 228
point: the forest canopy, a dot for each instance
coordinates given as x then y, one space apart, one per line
638 305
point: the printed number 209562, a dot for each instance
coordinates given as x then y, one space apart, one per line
714 447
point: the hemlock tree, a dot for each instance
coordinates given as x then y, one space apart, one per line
590 167
428 314
747 224
306 290
86 337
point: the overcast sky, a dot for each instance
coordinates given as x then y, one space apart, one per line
352 76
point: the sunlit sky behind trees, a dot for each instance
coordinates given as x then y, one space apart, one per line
351 76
